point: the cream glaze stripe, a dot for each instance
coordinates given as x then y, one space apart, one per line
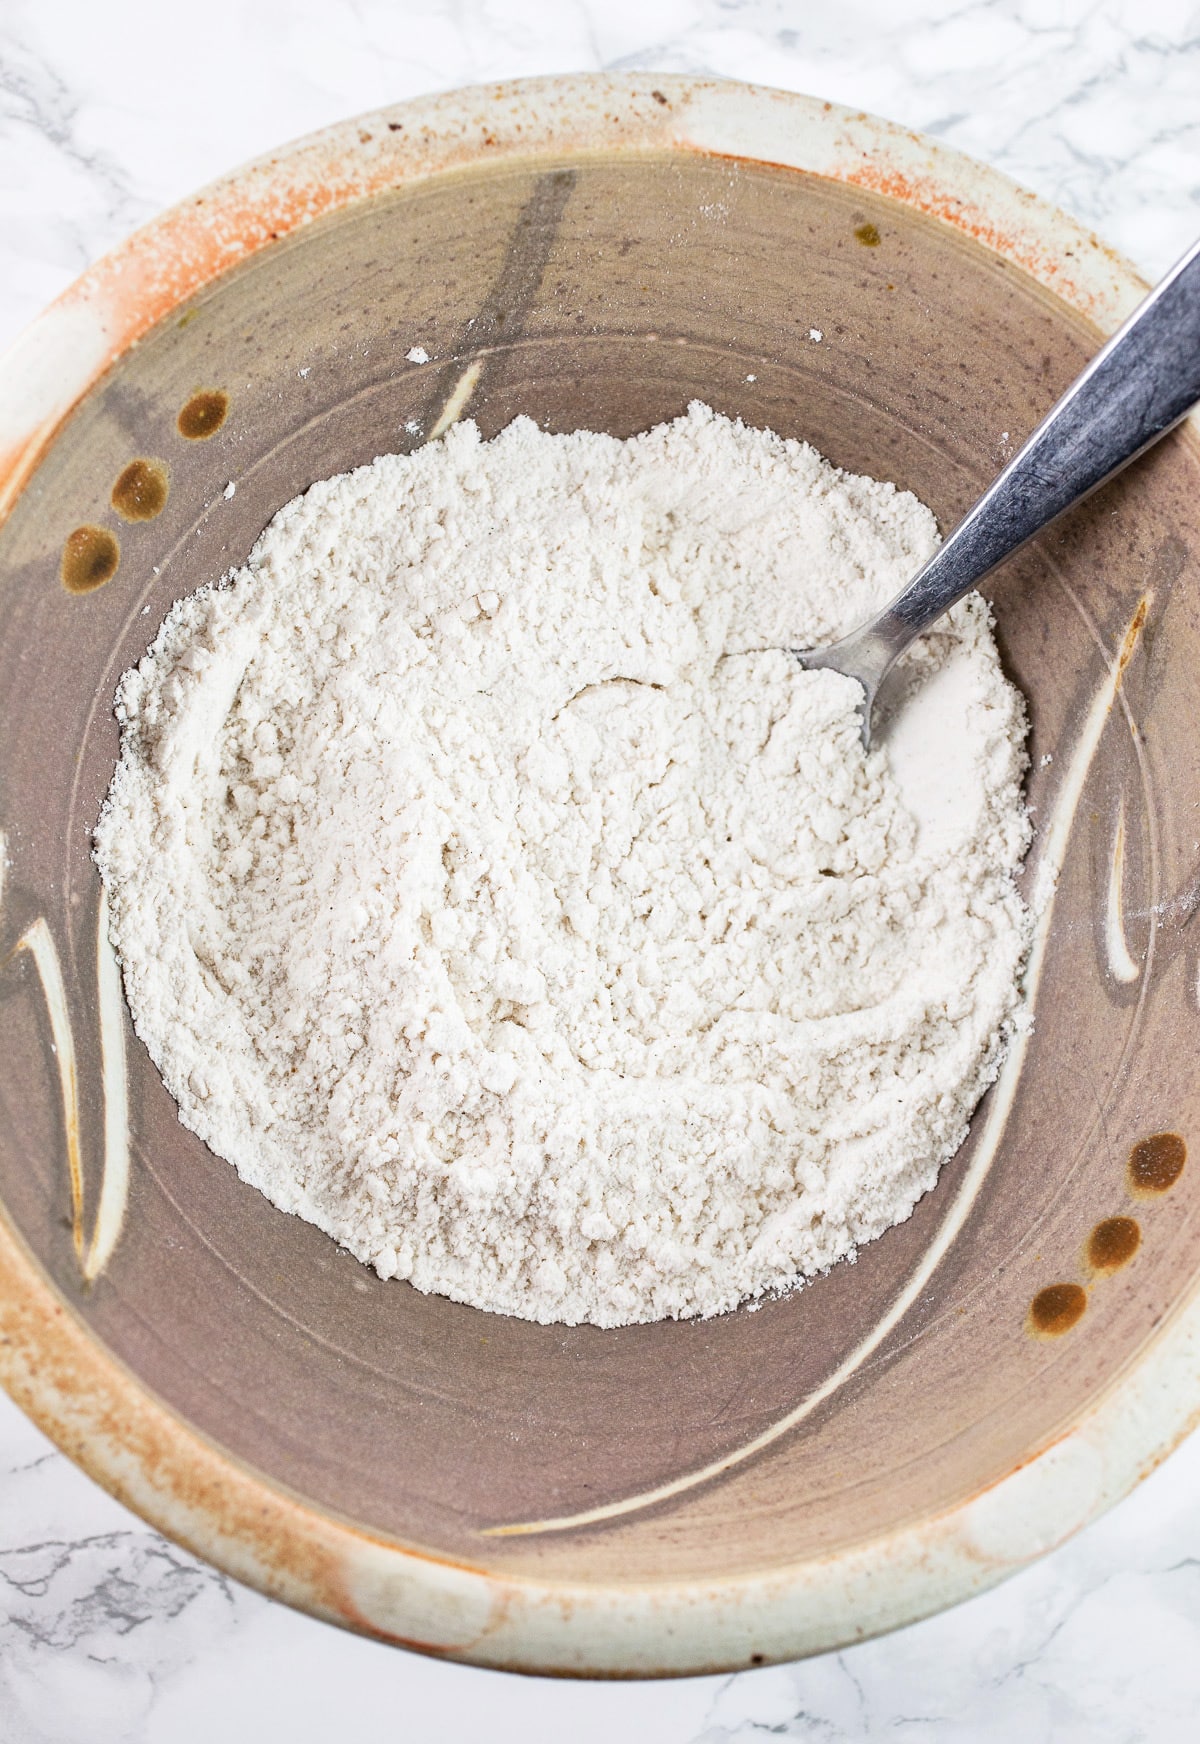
114 1186
1050 863
37 940
456 404
1120 963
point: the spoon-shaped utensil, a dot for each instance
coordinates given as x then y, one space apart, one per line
1143 382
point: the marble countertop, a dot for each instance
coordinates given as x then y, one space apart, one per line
110 1635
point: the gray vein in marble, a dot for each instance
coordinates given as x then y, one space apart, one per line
33 96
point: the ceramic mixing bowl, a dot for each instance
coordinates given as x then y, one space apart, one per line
596 252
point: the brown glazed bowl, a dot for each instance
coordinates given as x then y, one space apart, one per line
685 1496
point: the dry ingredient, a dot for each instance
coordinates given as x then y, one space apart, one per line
493 890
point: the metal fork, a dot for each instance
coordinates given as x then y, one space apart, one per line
1143 382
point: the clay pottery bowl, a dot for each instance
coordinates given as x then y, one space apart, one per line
596 252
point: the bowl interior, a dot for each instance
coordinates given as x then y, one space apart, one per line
606 292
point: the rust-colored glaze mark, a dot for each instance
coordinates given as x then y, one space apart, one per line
38 941
1112 1244
175 256
160 267
410 1644
1155 1164
1056 1309
103 1421
140 492
89 558
868 235
203 415
1136 625
930 197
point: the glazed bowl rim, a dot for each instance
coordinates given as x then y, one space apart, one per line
93 1407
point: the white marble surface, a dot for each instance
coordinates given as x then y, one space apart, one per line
109 109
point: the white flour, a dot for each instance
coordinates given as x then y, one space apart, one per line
493 892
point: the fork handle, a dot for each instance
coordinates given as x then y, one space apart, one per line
1143 382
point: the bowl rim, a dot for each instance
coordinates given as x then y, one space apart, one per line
95 1408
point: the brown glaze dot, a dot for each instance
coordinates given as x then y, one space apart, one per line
1113 1243
1155 1164
868 235
1056 1309
141 491
89 559
203 415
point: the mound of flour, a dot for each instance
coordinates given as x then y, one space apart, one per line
492 891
